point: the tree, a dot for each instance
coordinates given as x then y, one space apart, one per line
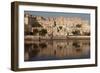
43 32
27 29
34 22
87 33
60 27
78 25
58 30
35 31
54 24
76 32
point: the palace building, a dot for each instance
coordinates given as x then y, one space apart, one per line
58 26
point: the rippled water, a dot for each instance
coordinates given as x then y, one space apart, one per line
56 50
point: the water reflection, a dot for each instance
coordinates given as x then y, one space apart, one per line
56 50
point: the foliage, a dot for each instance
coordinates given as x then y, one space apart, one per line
57 30
43 32
35 31
54 24
78 25
60 27
76 32
27 29
87 33
35 23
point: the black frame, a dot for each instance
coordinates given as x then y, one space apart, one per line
14 35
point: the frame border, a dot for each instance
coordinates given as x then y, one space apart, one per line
14 35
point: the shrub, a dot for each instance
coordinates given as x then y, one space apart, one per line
35 31
43 32
76 32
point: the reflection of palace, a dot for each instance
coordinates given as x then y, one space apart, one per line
56 26
60 49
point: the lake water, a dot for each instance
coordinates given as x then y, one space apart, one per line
56 50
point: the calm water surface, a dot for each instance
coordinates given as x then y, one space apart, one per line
56 50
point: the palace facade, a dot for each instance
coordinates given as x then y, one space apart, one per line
58 26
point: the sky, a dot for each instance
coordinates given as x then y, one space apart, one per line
83 16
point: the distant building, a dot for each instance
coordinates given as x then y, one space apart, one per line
60 26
